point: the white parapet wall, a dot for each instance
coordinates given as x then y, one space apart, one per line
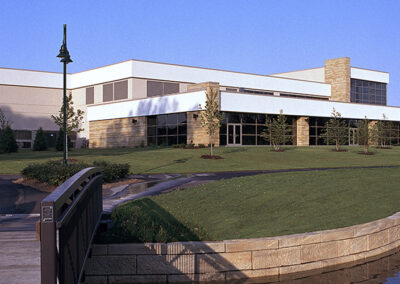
369 75
150 106
303 107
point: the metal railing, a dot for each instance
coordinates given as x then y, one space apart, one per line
69 217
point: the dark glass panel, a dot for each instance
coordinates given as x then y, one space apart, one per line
182 118
249 140
222 129
121 90
154 88
161 130
230 134
312 140
222 139
249 118
90 95
151 141
182 139
162 140
237 134
172 140
260 118
182 129
234 118
172 118
248 129
172 129
108 92
171 88
151 120
161 120
151 131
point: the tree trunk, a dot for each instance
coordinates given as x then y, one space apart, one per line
366 149
211 146
337 146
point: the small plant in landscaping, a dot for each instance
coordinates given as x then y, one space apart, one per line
54 173
276 130
335 130
60 141
364 134
40 143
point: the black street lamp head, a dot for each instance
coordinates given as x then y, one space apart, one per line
64 53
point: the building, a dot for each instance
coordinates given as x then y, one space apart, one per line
139 103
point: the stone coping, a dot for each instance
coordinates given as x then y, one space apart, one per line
273 257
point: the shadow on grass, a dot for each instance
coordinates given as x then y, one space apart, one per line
145 221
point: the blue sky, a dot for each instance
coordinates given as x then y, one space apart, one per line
262 37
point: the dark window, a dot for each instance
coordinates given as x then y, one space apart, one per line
108 92
155 88
22 134
367 92
171 88
90 95
166 129
121 90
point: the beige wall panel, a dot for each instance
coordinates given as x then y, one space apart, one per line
98 94
29 108
130 89
79 99
139 88
183 87
29 95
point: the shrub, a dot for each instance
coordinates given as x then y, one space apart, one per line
40 143
203 146
8 143
112 172
54 173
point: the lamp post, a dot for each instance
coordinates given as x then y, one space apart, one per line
65 58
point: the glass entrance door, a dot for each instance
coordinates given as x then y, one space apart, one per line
234 136
353 136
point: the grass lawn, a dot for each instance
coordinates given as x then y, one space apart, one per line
170 160
262 206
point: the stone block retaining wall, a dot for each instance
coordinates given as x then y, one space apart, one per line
275 257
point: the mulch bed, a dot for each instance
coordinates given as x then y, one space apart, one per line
214 157
340 150
280 150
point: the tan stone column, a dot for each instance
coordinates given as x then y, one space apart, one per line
303 131
337 73
195 133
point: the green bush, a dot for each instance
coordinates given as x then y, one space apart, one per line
54 173
111 171
40 143
8 143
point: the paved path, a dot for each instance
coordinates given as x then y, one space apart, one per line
19 258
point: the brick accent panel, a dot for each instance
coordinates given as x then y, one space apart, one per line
337 73
118 133
275 258
302 132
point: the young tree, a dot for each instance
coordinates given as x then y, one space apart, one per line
40 143
364 134
210 117
276 130
8 143
4 122
335 130
381 132
74 118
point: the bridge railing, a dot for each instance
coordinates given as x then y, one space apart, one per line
69 217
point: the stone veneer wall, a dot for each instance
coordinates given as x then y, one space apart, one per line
118 132
276 258
337 73
195 133
302 132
